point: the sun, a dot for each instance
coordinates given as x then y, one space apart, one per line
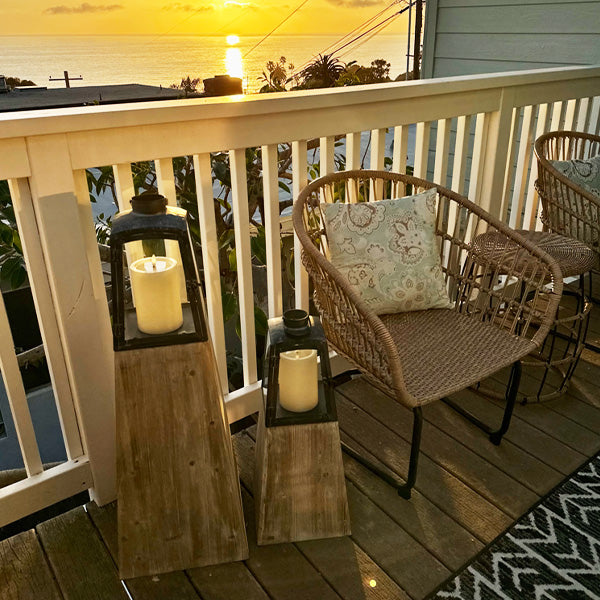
233 39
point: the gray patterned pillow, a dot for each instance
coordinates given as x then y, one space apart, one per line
388 252
585 173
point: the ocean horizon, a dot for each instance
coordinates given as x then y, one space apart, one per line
166 59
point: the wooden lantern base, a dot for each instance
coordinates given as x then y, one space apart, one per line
299 482
179 501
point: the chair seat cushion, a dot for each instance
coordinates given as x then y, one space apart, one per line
443 351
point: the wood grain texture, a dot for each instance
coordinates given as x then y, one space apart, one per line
24 573
227 582
300 489
167 585
82 566
179 500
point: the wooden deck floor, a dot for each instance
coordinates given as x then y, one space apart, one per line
468 491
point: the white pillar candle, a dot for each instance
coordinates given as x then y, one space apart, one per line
155 285
298 386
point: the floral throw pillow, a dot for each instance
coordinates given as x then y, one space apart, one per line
388 252
585 173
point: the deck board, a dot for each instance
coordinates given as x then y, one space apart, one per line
24 572
79 559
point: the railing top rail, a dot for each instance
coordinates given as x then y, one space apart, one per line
89 118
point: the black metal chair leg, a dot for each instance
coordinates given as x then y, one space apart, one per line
511 397
404 489
495 435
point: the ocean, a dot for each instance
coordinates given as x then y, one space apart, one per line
166 59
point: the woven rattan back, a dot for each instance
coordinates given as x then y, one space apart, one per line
504 288
568 208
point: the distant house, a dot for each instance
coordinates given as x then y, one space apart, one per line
487 36
33 98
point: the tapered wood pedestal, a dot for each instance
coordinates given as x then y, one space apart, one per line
179 501
299 482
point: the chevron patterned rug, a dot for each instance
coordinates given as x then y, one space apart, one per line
552 552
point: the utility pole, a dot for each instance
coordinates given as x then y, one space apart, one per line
66 78
417 44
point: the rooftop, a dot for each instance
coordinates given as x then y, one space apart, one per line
40 97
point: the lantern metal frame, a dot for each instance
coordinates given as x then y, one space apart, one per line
149 220
283 338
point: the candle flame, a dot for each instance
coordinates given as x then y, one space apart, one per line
373 583
153 262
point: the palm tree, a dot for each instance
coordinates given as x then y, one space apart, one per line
324 71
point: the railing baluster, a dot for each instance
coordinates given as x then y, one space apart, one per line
479 142
400 152
510 159
237 160
272 233
557 116
124 185
125 191
523 158
300 179
463 130
532 218
165 178
377 149
326 155
210 262
17 398
583 116
442 149
570 113
594 127
422 149
353 150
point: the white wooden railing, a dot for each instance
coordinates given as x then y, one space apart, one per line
483 128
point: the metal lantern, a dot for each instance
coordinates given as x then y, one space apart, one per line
295 391
165 305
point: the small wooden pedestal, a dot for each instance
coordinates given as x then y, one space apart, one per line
179 501
299 482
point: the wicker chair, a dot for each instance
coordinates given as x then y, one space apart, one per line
504 305
568 209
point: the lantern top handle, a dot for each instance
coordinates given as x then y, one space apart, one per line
296 322
149 203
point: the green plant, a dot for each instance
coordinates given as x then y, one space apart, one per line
12 263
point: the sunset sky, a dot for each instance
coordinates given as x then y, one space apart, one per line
188 16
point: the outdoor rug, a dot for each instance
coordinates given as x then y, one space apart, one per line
553 551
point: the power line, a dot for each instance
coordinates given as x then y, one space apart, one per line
275 29
376 28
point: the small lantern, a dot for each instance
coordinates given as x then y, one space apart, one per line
296 394
166 306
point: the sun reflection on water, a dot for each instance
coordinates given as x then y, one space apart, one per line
233 63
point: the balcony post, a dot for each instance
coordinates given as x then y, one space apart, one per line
64 221
494 155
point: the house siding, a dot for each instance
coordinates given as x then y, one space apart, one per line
465 37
